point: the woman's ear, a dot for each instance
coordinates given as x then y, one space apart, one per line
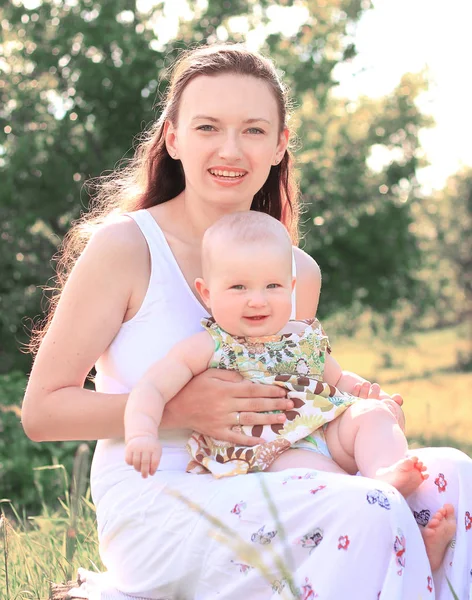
203 291
282 146
170 138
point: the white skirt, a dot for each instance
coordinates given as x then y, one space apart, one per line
291 534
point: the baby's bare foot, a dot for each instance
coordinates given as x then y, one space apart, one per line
406 475
438 533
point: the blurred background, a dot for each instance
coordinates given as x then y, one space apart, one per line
382 124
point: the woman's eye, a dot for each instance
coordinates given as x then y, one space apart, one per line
255 130
206 128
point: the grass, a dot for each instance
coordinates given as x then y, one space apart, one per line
436 394
34 551
51 546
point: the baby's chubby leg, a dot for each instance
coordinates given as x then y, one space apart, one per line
368 438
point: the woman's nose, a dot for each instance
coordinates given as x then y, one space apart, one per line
230 149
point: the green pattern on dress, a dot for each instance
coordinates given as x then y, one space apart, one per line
294 361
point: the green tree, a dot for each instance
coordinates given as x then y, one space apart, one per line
359 218
444 226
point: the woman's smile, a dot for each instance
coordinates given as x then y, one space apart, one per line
227 176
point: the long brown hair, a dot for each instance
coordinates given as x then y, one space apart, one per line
152 177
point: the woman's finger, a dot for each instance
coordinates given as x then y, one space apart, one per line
247 389
224 375
255 418
239 439
256 405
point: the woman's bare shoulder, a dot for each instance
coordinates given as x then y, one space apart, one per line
118 237
308 285
306 265
118 242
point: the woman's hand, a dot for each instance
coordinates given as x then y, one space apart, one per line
210 403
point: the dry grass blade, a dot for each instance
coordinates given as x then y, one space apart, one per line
3 526
79 481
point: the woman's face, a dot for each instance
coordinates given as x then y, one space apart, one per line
227 138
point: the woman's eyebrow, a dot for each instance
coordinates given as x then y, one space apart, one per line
215 120
256 120
205 118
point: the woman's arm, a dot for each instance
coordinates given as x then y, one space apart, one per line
308 285
93 305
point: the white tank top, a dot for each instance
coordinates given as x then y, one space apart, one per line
169 313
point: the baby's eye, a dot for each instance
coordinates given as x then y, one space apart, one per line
237 287
273 286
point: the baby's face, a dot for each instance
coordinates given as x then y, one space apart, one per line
250 289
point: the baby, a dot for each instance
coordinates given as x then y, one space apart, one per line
247 284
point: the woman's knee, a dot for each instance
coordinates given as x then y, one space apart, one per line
444 457
378 502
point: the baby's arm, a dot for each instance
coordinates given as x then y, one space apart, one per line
348 382
158 385
334 375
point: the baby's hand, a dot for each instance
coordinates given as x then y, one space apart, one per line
374 392
143 453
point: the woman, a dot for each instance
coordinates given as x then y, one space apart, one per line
221 145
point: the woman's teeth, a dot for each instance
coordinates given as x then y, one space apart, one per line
226 173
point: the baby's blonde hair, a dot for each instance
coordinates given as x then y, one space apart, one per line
248 227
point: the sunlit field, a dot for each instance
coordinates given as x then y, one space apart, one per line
437 394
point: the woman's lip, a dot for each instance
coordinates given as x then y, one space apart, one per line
229 169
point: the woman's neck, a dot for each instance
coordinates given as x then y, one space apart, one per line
196 216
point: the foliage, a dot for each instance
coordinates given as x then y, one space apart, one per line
362 218
75 94
444 226
19 457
